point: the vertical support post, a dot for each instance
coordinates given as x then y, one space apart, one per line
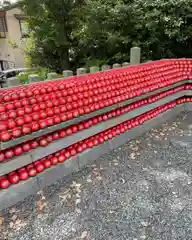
125 64
34 78
51 75
67 73
105 68
135 56
94 69
81 71
116 65
12 82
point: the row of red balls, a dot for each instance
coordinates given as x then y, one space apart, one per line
29 123
19 108
49 138
39 166
131 72
20 100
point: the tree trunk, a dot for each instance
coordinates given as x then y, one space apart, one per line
64 60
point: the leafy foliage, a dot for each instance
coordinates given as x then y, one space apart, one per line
66 34
51 24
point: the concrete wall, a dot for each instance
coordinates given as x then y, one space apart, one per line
14 34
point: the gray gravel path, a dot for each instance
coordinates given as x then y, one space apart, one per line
142 190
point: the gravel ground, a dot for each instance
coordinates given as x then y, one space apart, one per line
142 190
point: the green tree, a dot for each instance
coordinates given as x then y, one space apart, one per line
51 24
4 4
66 33
163 29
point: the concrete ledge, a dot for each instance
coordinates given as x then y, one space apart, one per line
92 154
18 192
56 173
188 107
15 163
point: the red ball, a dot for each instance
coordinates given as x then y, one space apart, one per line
26 147
13 178
43 143
61 158
43 124
2 157
16 132
18 151
32 172
23 175
39 167
26 129
4 183
20 121
54 160
3 126
5 136
34 144
46 163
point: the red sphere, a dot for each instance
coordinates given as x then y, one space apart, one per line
23 175
39 167
13 178
18 151
4 183
32 172
46 163
5 136
16 132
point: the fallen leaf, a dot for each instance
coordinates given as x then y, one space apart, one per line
40 192
18 222
99 178
89 180
132 155
78 190
77 201
83 234
78 195
43 198
69 196
1 221
14 217
12 210
63 197
78 210
11 224
41 205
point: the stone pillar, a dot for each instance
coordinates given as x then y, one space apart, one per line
34 78
94 69
135 56
51 75
105 68
11 82
67 73
116 65
81 71
125 64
